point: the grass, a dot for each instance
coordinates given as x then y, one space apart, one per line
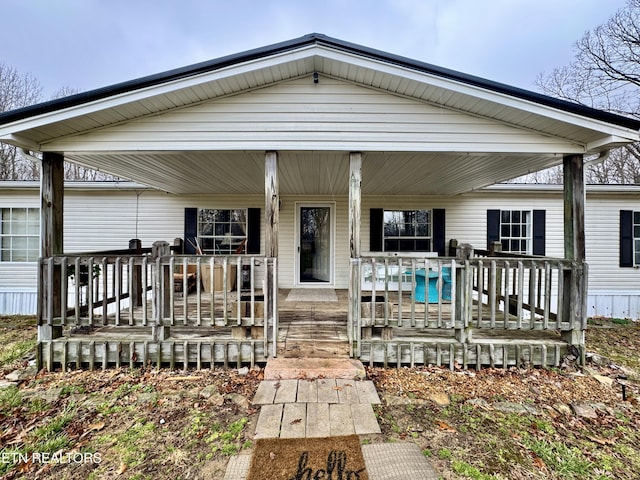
128 444
227 440
18 335
47 439
10 398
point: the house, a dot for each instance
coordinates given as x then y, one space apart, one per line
317 163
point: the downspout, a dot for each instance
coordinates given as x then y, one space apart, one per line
602 157
27 154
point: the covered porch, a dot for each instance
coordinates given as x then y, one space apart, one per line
489 309
315 121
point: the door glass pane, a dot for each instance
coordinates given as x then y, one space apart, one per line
315 244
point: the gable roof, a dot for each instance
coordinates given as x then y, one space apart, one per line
297 43
189 130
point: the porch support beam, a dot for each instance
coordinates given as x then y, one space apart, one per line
574 303
272 219
355 184
52 243
52 204
574 199
271 202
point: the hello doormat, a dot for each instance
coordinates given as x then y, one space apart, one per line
331 458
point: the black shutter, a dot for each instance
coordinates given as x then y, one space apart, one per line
253 230
376 226
626 238
438 231
539 228
190 230
493 227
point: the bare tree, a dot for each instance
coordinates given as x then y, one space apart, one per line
16 91
606 74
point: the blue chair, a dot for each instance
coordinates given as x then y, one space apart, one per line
421 284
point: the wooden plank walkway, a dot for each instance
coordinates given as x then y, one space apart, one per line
317 408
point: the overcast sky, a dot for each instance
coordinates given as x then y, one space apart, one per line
86 44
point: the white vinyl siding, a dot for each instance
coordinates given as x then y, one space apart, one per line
108 219
301 115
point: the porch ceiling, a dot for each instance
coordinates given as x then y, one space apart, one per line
316 173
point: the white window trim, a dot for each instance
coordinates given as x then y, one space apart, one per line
528 238
11 235
243 238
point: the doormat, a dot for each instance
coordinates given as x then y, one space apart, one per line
308 458
312 295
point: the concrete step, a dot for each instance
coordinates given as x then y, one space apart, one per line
281 368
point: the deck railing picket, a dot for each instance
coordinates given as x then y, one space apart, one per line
413 280
185 291
425 317
105 288
118 287
225 288
532 294
506 294
372 302
130 280
560 280
90 291
238 309
480 289
387 297
172 293
198 291
145 289
519 294
212 313
492 295
63 291
414 268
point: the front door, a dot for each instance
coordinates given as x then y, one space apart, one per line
315 244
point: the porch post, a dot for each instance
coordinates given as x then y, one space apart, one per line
574 303
271 217
162 286
51 243
355 183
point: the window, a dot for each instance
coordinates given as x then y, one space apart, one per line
20 235
222 231
407 230
515 231
636 238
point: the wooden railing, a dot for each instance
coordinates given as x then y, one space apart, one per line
461 295
103 288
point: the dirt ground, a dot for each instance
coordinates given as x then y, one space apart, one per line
569 423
